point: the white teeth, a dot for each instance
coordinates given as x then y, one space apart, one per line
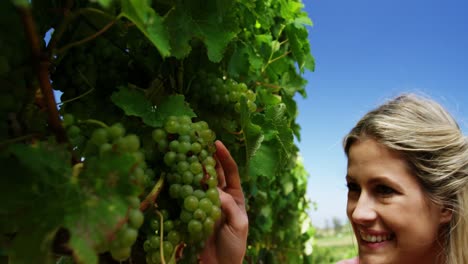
374 239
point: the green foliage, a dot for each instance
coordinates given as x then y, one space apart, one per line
73 181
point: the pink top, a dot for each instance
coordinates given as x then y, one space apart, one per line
349 261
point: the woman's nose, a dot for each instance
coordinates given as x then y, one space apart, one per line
364 211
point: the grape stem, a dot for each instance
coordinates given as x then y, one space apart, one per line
41 66
151 197
93 121
161 248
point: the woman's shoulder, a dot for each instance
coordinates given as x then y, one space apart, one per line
349 261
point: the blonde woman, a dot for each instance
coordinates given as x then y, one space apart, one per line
407 181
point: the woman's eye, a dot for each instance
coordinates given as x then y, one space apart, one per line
384 190
353 187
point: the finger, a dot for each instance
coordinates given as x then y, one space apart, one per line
231 172
220 172
236 216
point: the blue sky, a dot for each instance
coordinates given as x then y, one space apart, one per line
367 51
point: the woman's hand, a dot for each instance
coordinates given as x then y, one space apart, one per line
229 240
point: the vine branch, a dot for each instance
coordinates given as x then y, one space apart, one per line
41 67
86 39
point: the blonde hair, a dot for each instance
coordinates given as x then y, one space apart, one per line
437 152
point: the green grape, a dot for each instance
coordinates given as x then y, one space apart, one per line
127 236
194 226
174 237
99 136
208 225
135 218
199 214
168 248
170 158
174 190
132 143
174 146
215 212
171 126
185 191
158 135
185 216
68 120
196 147
134 202
191 203
105 148
199 194
168 225
183 166
196 167
73 131
121 254
116 131
206 205
187 177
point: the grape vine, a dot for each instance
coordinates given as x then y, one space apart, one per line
110 110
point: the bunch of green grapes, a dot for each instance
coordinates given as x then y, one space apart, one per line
108 140
102 142
224 93
120 247
192 180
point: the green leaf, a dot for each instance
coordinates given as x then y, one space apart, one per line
37 192
253 133
185 23
134 103
104 3
275 123
95 218
174 105
94 225
149 22
238 62
264 162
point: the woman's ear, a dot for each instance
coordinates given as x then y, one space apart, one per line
445 215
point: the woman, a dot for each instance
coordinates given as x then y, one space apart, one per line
407 184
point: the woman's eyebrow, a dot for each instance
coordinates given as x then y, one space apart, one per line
384 179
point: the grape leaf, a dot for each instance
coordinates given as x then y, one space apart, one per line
149 22
275 125
95 218
134 103
184 24
104 3
264 162
253 133
36 197
238 62
300 47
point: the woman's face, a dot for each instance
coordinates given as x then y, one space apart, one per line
392 218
